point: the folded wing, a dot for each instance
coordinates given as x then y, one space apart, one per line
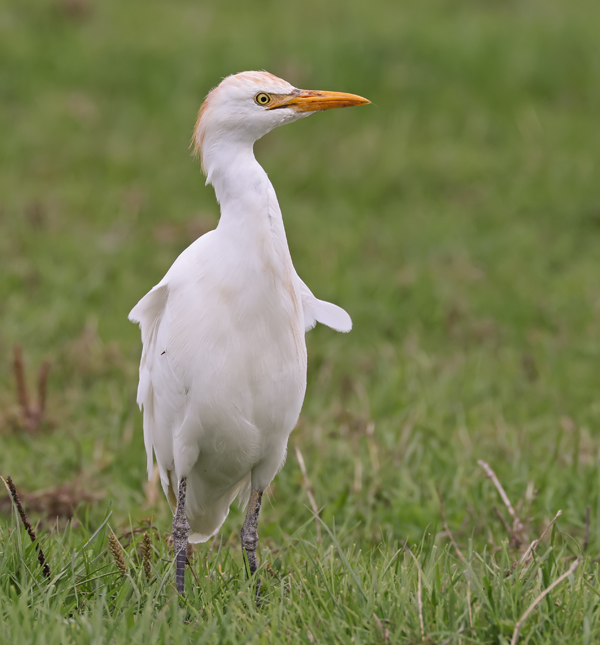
149 313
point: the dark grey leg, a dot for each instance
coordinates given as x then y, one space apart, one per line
181 531
250 535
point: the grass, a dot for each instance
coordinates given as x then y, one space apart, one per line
457 220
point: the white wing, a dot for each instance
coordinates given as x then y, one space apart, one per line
326 313
149 313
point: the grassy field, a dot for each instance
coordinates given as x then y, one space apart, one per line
457 220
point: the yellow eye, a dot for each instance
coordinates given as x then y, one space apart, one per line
262 98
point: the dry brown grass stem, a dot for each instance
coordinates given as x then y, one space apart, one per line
8 482
117 552
19 371
187 561
461 557
539 599
528 554
492 475
518 526
309 492
32 414
147 555
504 523
385 632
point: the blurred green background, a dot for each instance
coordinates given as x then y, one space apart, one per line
457 219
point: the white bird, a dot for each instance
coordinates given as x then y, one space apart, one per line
223 367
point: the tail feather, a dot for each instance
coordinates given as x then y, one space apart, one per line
206 511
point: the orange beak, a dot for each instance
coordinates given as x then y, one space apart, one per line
316 100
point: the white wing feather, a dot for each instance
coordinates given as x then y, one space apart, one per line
149 313
326 313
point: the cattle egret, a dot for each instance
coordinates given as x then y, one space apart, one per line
223 367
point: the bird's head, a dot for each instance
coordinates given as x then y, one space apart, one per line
245 106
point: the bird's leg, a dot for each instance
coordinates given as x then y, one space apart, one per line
181 531
249 535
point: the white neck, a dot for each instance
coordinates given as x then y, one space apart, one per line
248 202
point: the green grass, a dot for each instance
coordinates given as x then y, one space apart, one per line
457 220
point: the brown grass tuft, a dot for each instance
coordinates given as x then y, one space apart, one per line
117 552
147 555
31 414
